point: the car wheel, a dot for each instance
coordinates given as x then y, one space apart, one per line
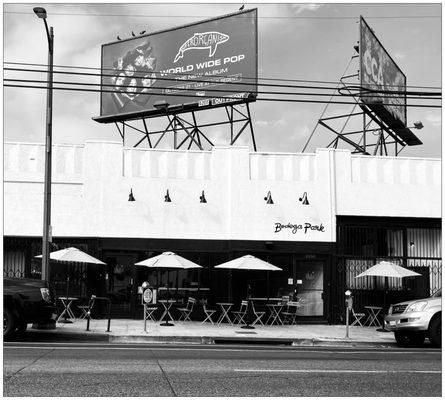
8 323
435 332
409 339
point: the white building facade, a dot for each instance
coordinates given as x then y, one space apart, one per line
284 207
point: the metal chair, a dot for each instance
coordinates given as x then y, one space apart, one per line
185 312
149 311
357 318
241 313
290 315
208 313
86 310
258 315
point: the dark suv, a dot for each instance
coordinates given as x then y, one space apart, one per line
26 301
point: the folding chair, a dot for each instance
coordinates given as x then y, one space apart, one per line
258 315
149 311
241 313
290 315
86 310
208 313
357 318
185 312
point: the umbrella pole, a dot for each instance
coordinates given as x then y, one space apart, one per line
382 328
166 320
248 311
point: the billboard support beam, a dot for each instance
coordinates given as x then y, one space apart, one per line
192 129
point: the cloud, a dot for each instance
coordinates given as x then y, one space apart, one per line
299 8
399 55
435 119
262 123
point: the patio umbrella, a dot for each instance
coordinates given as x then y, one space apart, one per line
387 270
168 260
72 254
248 262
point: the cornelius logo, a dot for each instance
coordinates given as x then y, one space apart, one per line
206 40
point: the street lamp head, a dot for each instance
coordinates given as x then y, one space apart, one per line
40 12
418 125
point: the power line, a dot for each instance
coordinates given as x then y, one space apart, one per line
209 89
390 92
223 76
214 97
313 17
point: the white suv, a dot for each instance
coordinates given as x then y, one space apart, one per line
411 321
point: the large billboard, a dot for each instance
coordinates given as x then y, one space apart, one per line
378 71
206 64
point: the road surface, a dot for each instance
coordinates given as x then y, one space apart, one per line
99 369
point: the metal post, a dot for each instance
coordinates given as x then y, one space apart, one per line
347 322
47 234
145 318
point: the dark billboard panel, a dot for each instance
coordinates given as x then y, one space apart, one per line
201 65
378 71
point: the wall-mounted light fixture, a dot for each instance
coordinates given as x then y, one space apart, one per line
167 198
412 244
268 198
131 197
304 199
202 198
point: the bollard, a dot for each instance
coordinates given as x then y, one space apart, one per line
347 322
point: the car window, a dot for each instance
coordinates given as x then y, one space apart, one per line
438 293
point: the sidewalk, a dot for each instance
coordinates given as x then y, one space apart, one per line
132 331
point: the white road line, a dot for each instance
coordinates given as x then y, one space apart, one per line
268 350
342 371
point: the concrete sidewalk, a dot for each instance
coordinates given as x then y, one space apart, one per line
132 331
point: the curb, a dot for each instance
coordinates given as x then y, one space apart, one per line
303 342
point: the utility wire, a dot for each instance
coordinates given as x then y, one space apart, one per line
213 82
315 17
214 97
223 76
209 89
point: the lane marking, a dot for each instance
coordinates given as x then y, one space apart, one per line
343 371
292 350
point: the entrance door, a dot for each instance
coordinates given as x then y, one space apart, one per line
311 291
119 284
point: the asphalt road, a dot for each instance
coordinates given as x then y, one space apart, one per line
92 369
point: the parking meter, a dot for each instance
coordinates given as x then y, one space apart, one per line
348 302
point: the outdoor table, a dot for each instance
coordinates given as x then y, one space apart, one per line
167 304
274 316
67 301
225 308
373 314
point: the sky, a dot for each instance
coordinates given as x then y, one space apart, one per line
299 41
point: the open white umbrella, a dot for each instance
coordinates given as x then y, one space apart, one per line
387 270
71 254
248 262
168 260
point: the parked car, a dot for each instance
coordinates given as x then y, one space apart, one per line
26 301
411 321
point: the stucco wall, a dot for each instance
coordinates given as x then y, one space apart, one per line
91 184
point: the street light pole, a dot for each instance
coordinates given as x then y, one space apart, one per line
47 234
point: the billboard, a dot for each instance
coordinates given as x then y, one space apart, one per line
378 71
202 65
